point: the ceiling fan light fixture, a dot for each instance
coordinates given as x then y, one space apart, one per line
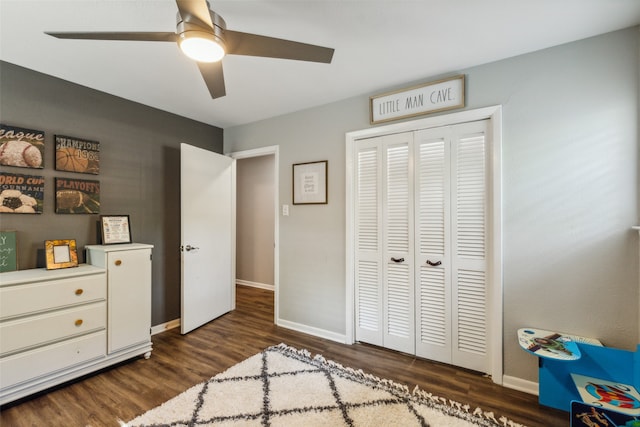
201 46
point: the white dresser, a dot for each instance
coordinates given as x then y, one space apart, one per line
57 325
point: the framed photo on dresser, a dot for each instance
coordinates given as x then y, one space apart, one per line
115 229
61 253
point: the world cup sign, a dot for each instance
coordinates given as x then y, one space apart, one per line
22 194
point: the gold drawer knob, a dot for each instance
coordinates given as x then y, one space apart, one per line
118 262
79 322
79 291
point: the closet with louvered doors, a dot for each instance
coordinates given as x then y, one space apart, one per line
450 245
384 245
420 224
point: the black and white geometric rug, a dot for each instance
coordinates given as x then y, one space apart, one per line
283 386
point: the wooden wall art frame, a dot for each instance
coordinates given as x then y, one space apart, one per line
61 253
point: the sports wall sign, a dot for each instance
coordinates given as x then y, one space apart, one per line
77 155
21 194
20 147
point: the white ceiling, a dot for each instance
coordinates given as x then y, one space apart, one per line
378 45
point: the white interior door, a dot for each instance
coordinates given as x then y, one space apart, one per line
397 236
368 243
469 225
433 244
384 298
457 233
207 203
424 292
451 217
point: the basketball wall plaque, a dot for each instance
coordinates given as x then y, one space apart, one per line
77 155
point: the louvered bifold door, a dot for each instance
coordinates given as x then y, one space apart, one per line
368 242
469 246
398 290
433 244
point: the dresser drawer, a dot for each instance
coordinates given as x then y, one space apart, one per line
29 332
26 299
45 361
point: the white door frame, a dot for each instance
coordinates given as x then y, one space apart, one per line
494 268
259 152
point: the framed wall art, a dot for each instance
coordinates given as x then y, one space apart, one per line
20 147
115 229
61 253
77 155
77 196
22 194
310 183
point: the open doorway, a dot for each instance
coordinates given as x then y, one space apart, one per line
257 219
254 221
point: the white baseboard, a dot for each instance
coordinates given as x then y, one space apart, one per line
165 326
520 384
254 284
284 323
321 333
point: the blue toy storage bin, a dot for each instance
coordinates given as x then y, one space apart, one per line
557 388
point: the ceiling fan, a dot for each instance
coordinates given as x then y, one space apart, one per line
203 36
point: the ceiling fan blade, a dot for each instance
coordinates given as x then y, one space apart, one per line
150 37
195 12
213 77
239 43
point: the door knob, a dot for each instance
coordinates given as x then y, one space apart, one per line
190 248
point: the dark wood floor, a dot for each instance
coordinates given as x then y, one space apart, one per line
179 362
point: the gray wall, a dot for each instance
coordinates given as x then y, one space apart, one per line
570 179
312 237
139 170
255 219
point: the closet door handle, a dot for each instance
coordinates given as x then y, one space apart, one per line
434 264
397 259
